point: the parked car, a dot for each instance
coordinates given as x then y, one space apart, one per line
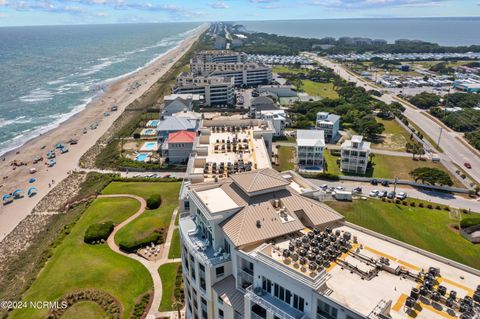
324 186
391 195
373 193
374 182
357 190
340 188
385 183
383 193
468 165
401 195
166 176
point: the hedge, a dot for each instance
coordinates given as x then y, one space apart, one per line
132 246
469 221
98 232
323 175
154 201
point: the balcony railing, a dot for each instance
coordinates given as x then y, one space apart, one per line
259 296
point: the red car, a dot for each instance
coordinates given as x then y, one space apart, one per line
467 165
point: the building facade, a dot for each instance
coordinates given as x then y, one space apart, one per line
278 118
175 103
329 124
219 56
178 147
309 150
249 74
355 154
216 90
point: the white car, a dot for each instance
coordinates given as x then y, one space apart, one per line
324 186
340 188
373 193
401 195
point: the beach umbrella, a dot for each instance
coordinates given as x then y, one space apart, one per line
31 191
32 180
17 193
6 196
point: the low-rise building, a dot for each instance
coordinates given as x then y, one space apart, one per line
355 154
330 124
278 118
172 124
309 150
175 103
178 147
219 56
216 90
261 103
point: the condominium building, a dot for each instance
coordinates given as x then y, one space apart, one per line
355 155
219 56
329 124
309 150
278 118
249 74
257 245
216 90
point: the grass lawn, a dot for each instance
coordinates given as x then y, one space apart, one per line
174 251
150 220
324 90
167 274
84 309
286 158
422 227
394 138
285 69
385 166
75 265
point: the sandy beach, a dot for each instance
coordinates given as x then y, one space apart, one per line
120 93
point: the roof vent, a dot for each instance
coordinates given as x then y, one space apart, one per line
259 224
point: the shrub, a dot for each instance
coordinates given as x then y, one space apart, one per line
98 232
383 199
413 204
154 201
429 206
438 207
405 203
420 205
469 221
446 208
136 136
397 201
133 245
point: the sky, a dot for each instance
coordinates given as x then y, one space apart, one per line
53 12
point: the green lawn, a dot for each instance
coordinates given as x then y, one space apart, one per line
385 166
394 138
324 90
150 220
84 309
167 274
285 69
422 227
75 265
286 158
174 251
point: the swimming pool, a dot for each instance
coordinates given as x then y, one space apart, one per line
149 146
148 131
141 157
152 123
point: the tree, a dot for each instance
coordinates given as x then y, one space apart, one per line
415 148
432 176
425 100
368 126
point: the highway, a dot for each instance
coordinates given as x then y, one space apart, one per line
452 147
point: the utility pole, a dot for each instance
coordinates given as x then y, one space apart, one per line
439 136
395 186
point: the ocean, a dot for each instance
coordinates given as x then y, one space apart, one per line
50 73
445 31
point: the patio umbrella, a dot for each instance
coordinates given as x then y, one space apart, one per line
6 196
32 180
17 193
31 191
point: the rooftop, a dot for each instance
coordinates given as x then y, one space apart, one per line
217 200
310 138
362 145
175 123
368 271
181 137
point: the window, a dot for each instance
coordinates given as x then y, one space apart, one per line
220 300
219 271
220 313
326 310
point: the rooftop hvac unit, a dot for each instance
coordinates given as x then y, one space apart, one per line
258 224
452 295
410 302
442 290
415 293
276 203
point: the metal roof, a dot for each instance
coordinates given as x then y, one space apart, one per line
259 180
226 289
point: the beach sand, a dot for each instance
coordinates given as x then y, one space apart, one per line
115 94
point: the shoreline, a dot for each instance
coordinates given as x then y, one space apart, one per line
42 130
119 92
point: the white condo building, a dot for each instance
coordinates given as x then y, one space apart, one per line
216 90
355 154
256 245
309 151
278 118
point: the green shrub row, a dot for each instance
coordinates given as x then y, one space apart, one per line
323 175
98 232
134 244
469 222
139 310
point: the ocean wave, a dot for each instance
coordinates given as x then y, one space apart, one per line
105 64
37 95
17 120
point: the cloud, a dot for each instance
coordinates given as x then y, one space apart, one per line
220 5
367 4
263 1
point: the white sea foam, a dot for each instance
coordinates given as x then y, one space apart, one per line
17 120
37 95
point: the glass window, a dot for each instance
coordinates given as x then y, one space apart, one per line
220 313
220 271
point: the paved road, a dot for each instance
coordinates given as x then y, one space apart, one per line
452 147
427 195
131 174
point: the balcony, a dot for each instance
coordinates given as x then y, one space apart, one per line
272 304
198 246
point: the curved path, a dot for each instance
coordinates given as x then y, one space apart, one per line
151 266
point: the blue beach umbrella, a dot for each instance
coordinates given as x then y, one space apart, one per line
31 191
6 196
17 193
32 180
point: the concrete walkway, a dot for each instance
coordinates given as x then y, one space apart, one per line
151 266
